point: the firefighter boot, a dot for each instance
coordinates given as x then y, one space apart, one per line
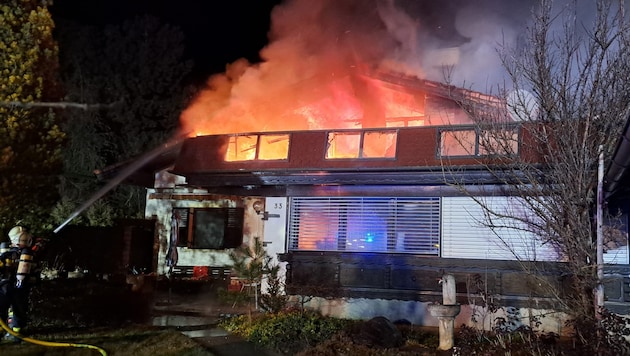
12 339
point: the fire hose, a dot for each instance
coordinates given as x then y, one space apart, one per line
49 343
139 163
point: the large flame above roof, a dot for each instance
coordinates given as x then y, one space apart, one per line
316 72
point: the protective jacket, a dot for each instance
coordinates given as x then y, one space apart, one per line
15 284
9 262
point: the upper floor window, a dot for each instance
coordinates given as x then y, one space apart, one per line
362 144
479 142
258 147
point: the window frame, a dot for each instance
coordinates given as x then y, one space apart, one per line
477 146
361 148
343 224
255 147
232 229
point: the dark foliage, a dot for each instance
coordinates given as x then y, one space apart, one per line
606 337
63 304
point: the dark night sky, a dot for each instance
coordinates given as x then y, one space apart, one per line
217 32
407 33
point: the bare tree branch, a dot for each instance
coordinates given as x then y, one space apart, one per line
59 105
575 73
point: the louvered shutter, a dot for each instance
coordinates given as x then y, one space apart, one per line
365 224
466 232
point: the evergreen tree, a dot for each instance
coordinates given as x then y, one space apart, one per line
135 72
30 136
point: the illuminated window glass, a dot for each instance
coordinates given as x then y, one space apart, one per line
498 142
362 144
481 142
365 224
242 148
273 147
343 145
379 144
321 221
458 143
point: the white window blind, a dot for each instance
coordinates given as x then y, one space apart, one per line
467 233
365 224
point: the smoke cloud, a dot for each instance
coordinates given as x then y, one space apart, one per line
311 73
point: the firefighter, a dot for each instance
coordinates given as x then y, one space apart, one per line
15 284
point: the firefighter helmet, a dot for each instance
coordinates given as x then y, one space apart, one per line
20 237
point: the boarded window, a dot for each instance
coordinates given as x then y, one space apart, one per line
365 224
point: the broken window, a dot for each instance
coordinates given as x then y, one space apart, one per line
257 147
242 148
273 147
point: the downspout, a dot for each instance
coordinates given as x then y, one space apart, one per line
600 234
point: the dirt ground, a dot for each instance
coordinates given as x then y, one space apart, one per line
107 314
115 316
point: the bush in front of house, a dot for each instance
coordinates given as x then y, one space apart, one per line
521 341
286 332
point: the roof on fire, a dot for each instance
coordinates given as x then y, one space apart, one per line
141 170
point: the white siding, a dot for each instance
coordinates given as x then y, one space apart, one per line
466 234
275 234
617 256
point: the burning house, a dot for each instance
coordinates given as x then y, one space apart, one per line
373 216
362 182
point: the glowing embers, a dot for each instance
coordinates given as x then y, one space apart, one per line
362 144
258 147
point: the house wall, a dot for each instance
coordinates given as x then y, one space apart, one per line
361 285
417 147
168 195
275 226
416 313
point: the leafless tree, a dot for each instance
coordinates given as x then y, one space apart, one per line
569 95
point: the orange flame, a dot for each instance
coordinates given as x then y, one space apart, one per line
311 76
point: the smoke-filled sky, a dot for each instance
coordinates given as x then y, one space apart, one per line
262 58
313 45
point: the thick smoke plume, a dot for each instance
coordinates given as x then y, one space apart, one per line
313 71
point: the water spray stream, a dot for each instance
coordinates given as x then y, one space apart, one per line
134 166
